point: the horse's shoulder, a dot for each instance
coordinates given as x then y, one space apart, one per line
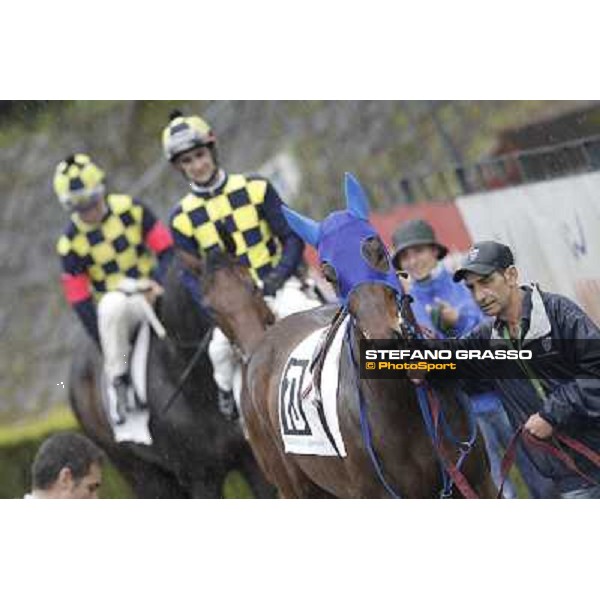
289 332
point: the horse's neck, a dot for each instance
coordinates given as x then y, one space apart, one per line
181 315
252 340
396 394
186 328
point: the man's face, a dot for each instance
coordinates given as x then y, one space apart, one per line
492 292
418 261
198 165
86 488
94 213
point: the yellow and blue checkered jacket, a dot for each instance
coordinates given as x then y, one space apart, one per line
95 257
249 208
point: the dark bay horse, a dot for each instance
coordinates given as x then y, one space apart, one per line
194 447
357 264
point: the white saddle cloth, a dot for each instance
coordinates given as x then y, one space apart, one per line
308 417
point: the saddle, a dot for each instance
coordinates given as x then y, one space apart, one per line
318 361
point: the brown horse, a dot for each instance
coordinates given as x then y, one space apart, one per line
399 457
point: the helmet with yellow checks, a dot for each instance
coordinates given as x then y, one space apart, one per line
78 182
185 133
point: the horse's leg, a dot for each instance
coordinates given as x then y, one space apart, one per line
208 487
156 483
248 467
313 491
280 469
146 479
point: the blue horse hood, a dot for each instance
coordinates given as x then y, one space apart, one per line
346 258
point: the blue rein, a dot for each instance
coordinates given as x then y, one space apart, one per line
464 446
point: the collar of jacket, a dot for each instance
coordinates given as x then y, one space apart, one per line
214 188
534 311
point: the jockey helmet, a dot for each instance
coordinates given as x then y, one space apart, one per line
185 133
78 182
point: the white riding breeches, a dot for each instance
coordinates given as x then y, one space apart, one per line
118 317
222 358
289 299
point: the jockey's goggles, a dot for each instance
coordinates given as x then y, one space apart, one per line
83 202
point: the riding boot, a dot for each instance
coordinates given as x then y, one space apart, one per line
121 386
227 405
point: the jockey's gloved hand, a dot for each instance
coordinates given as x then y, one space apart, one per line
272 282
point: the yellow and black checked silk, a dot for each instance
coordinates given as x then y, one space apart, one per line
238 207
110 250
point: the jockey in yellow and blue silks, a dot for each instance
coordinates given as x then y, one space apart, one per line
249 208
112 247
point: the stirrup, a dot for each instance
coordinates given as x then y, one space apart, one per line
227 405
121 388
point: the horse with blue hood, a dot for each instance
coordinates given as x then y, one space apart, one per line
384 444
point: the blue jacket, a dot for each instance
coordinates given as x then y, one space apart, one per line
441 286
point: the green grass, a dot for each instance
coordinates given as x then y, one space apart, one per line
58 419
236 486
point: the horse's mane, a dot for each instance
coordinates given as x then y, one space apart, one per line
180 313
218 259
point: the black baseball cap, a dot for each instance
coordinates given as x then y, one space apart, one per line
484 258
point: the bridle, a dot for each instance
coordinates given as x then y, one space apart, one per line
431 412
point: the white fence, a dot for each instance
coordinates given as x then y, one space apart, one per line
553 229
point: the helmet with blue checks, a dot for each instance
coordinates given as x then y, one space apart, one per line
185 133
78 182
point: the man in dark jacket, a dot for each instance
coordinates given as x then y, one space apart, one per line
560 391
447 308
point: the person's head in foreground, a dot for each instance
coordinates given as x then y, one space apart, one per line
67 465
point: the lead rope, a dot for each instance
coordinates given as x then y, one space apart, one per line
553 448
431 413
428 404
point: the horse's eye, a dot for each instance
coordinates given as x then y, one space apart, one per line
375 254
329 273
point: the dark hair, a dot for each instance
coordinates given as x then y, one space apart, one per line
71 450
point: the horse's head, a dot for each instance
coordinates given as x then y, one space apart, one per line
356 262
231 294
